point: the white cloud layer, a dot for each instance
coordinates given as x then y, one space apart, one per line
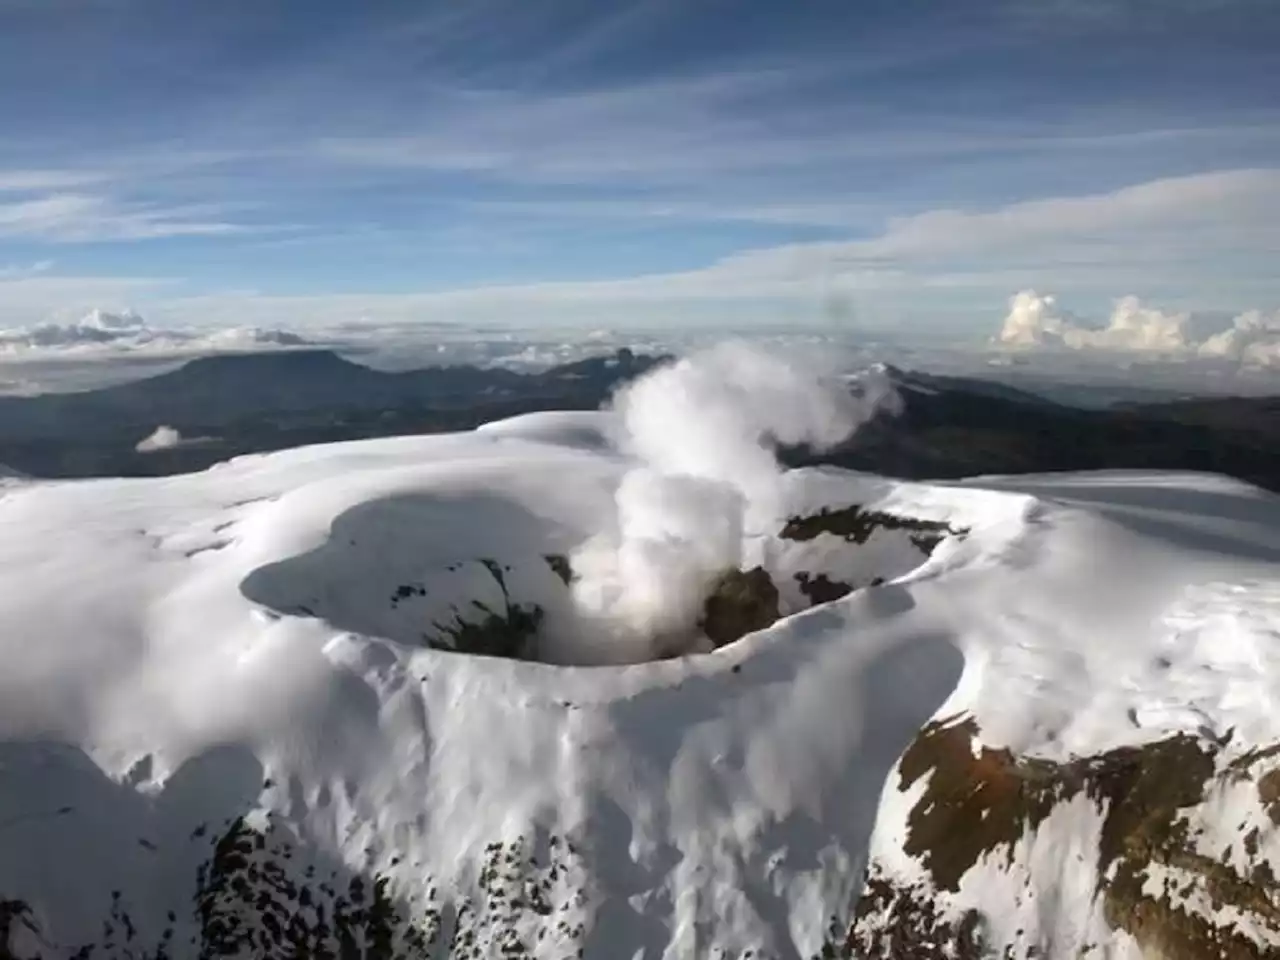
1195 241
126 331
1173 231
1035 321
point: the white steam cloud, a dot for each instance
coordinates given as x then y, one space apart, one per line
1034 320
703 433
166 438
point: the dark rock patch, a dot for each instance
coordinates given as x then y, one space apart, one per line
259 894
856 524
821 588
559 565
250 901
888 918
407 591
740 602
511 633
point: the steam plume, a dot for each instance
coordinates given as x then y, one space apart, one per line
703 433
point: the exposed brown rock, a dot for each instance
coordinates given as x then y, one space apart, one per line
892 923
740 602
978 801
973 804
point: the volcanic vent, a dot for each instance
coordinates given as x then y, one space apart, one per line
393 569
694 535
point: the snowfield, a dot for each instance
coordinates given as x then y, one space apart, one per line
235 721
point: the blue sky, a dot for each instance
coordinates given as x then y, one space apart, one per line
899 165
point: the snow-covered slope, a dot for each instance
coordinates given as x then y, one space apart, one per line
230 723
1103 781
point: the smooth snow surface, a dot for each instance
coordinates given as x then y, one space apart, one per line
158 674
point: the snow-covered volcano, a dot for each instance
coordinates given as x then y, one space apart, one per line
1012 717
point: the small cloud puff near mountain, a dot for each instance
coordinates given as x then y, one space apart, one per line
1035 321
167 438
100 330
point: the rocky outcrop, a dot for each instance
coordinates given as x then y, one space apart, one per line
740 602
744 601
855 524
260 894
511 632
1154 877
820 588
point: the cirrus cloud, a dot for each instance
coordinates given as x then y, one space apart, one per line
78 217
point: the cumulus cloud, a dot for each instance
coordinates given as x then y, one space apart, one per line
124 331
1252 339
1035 320
1032 321
1133 326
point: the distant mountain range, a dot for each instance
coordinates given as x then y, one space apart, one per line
247 403
956 427
949 427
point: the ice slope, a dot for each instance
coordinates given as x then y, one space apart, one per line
192 764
